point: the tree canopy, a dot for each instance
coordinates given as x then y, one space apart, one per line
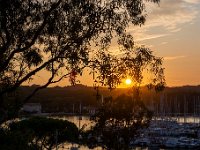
64 37
61 36
118 122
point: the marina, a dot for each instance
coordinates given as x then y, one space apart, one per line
162 133
169 134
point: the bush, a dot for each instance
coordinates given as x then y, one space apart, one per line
38 133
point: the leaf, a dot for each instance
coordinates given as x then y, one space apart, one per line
33 58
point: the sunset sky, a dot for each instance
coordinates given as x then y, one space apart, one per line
172 31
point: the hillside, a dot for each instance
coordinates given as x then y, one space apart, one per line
63 98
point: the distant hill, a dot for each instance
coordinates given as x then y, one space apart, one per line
65 98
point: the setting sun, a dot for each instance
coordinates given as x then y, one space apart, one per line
128 81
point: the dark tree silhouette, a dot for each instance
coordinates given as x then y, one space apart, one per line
56 35
38 133
118 120
63 37
133 64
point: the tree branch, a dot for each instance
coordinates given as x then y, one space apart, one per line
8 37
16 85
39 88
6 62
50 81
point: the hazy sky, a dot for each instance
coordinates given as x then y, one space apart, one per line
172 31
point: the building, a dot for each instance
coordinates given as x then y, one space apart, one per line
32 108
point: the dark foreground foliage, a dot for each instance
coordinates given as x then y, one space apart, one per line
118 122
37 133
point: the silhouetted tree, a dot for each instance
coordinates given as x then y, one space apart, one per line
63 37
55 35
118 122
133 64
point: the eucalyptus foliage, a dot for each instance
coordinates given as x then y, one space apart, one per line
62 36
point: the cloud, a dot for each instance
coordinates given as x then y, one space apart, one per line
174 57
166 18
192 1
170 14
164 43
149 37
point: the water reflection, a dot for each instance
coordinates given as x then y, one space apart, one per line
80 121
69 146
181 119
87 122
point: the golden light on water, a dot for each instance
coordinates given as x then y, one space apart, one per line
128 81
